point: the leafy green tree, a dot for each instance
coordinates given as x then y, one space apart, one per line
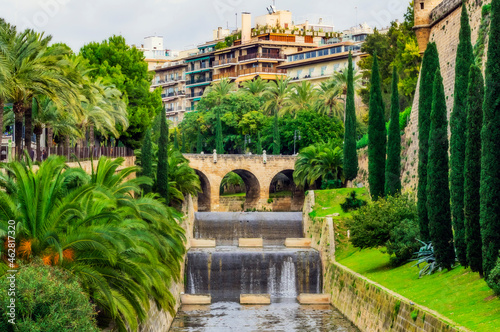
219 146
258 147
301 98
490 167
350 152
438 191
147 160
276 135
125 68
199 142
472 172
458 119
377 136
183 143
393 167
429 66
162 170
176 140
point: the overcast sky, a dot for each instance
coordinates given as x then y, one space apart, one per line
182 23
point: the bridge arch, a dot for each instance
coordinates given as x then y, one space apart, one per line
204 197
284 195
252 188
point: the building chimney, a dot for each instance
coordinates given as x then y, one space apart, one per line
246 27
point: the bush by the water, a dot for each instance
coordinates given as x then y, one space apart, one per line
402 242
494 278
352 202
383 223
47 300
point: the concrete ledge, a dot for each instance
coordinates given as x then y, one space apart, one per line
255 299
298 243
305 298
202 243
196 299
250 243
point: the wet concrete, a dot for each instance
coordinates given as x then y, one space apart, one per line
287 316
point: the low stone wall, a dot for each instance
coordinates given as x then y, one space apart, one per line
370 306
160 320
232 204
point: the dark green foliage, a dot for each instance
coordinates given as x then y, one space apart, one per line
490 159
350 154
372 224
465 59
393 167
438 192
429 66
219 146
377 136
494 278
258 147
162 170
146 161
199 142
47 299
352 202
276 135
363 142
472 170
183 143
176 141
402 242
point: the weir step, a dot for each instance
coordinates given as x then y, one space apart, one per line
202 243
306 298
298 243
255 299
250 243
196 299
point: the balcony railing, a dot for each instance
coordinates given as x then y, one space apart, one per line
196 94
199 80
232 74
172 94
198 67
225 62
85 153
260 69
169 81
253 56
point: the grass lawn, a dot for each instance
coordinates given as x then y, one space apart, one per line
458 294
234 195
328 201
280 194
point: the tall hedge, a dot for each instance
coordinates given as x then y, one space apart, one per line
350 152
162 168
219 143
438 192
490 158
429 66
458 119
475 98
393 167
377 136
146 160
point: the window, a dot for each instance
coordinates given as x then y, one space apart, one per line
311 71
323 70
336 67
422 5
299 72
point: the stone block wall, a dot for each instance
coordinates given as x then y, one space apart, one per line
444 32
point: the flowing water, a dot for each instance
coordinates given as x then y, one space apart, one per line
227 271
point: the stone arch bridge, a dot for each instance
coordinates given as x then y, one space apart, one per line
258 173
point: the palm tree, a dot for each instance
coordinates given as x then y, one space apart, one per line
277 95
7 35
321 161
329 100
301 98
339 78
232 180
254 87
221 89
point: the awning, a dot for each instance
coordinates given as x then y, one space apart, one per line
245 78
271 77
198 59
222 52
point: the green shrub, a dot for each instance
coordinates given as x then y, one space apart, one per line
372 224
404 117
494 278
47 300
352 202
363 142
402 242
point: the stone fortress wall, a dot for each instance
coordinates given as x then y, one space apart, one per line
438 21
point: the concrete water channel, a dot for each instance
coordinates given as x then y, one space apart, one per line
229 269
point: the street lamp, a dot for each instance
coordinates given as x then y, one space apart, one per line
296 137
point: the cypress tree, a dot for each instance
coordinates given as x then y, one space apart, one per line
377 136
438 191
490 153
350 153
393 167
258 148
219 144
146 160
475 97
162 168
276 135
429 66
458 119
199 142
176 141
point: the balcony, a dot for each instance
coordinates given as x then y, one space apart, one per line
225 62
260 69
198 67
167 82
261 56
196 95
172 95
200 81
231 74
